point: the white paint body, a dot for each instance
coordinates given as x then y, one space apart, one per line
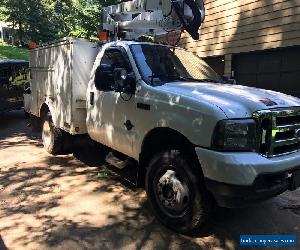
192 109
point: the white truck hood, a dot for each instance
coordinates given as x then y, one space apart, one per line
236 101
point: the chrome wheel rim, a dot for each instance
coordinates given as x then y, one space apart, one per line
172 193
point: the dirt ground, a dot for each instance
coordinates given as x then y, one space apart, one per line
68 202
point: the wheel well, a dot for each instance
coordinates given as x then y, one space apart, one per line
36 121
160 139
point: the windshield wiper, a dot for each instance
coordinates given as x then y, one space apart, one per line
200 80
170 77
181 78
191 79
164 78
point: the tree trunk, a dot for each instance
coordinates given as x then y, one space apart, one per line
13 33
20 33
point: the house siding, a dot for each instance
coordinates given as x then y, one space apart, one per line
236 26
232 27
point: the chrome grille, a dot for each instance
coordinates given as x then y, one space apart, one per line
279 131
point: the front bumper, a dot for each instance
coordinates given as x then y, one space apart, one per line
241 178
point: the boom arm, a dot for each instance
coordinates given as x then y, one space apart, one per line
132 19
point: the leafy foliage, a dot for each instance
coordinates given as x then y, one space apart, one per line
2 16
44 20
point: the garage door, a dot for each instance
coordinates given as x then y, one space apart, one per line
216 63
277 70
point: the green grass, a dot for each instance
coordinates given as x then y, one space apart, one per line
11 52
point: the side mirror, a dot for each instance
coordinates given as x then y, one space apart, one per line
123 82
103 77
228 80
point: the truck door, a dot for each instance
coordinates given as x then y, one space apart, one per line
110 114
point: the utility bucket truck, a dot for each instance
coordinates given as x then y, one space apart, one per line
196 140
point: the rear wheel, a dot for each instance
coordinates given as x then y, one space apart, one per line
176 192
52 136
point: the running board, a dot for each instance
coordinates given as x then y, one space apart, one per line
123 166
117 161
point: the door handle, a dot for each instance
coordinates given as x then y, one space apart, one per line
143 106
128 125
92 97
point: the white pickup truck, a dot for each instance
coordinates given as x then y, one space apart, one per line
196 140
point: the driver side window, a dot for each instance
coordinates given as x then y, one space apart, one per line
113 58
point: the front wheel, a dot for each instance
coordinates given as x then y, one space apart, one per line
52 137
176 192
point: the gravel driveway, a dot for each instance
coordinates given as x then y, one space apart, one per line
69 202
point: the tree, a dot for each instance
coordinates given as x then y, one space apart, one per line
88 13
88 17
38 24
45 20
2 16
31 18
13 10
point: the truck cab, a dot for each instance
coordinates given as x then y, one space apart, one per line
196 138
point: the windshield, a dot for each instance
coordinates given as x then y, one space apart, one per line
161 64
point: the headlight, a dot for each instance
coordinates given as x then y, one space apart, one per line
235 135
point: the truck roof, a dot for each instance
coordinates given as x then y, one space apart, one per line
60 42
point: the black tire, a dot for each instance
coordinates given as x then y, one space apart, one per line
196 204
52 136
